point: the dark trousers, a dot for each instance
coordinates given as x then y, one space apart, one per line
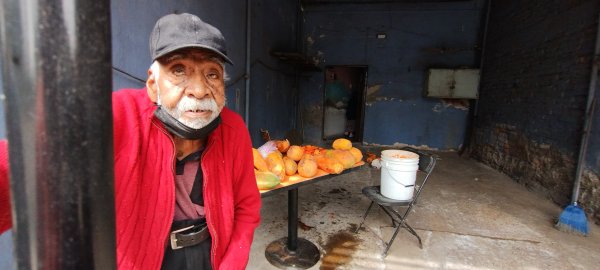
193 257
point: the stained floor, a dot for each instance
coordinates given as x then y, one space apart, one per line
469 217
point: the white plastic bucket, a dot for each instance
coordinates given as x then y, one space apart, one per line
398 174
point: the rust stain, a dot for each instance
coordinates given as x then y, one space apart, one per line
339 250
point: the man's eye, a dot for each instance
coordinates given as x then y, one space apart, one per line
178 70
213 75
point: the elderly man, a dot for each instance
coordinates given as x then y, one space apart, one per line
186 196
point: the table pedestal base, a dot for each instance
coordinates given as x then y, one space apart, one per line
305 255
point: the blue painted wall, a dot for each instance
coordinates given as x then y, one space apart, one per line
418 36
273 85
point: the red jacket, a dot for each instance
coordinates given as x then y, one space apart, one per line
145 191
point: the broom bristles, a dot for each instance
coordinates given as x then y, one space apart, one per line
573 220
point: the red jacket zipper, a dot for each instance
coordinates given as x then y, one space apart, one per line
214 237
166 237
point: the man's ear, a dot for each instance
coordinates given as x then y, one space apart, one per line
151 86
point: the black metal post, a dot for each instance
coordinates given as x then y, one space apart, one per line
292 252
292 243
57 80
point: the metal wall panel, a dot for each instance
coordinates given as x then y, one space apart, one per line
452 83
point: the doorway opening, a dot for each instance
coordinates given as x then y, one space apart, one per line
344 102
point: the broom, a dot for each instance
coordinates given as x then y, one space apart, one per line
573 218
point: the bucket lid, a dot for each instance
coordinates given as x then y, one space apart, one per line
398 155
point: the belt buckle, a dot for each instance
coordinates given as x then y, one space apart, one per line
173 237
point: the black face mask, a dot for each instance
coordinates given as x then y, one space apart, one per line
180 130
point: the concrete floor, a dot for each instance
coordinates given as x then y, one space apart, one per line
469 217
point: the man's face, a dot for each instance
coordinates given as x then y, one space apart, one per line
189 85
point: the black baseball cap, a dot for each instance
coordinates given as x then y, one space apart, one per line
177 31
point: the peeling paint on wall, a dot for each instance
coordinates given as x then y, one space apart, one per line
438 107
372 94
379 99
460 104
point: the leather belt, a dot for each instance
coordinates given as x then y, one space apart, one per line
189 236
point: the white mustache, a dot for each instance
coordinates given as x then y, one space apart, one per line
193 104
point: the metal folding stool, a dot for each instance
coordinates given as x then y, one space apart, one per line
427 162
